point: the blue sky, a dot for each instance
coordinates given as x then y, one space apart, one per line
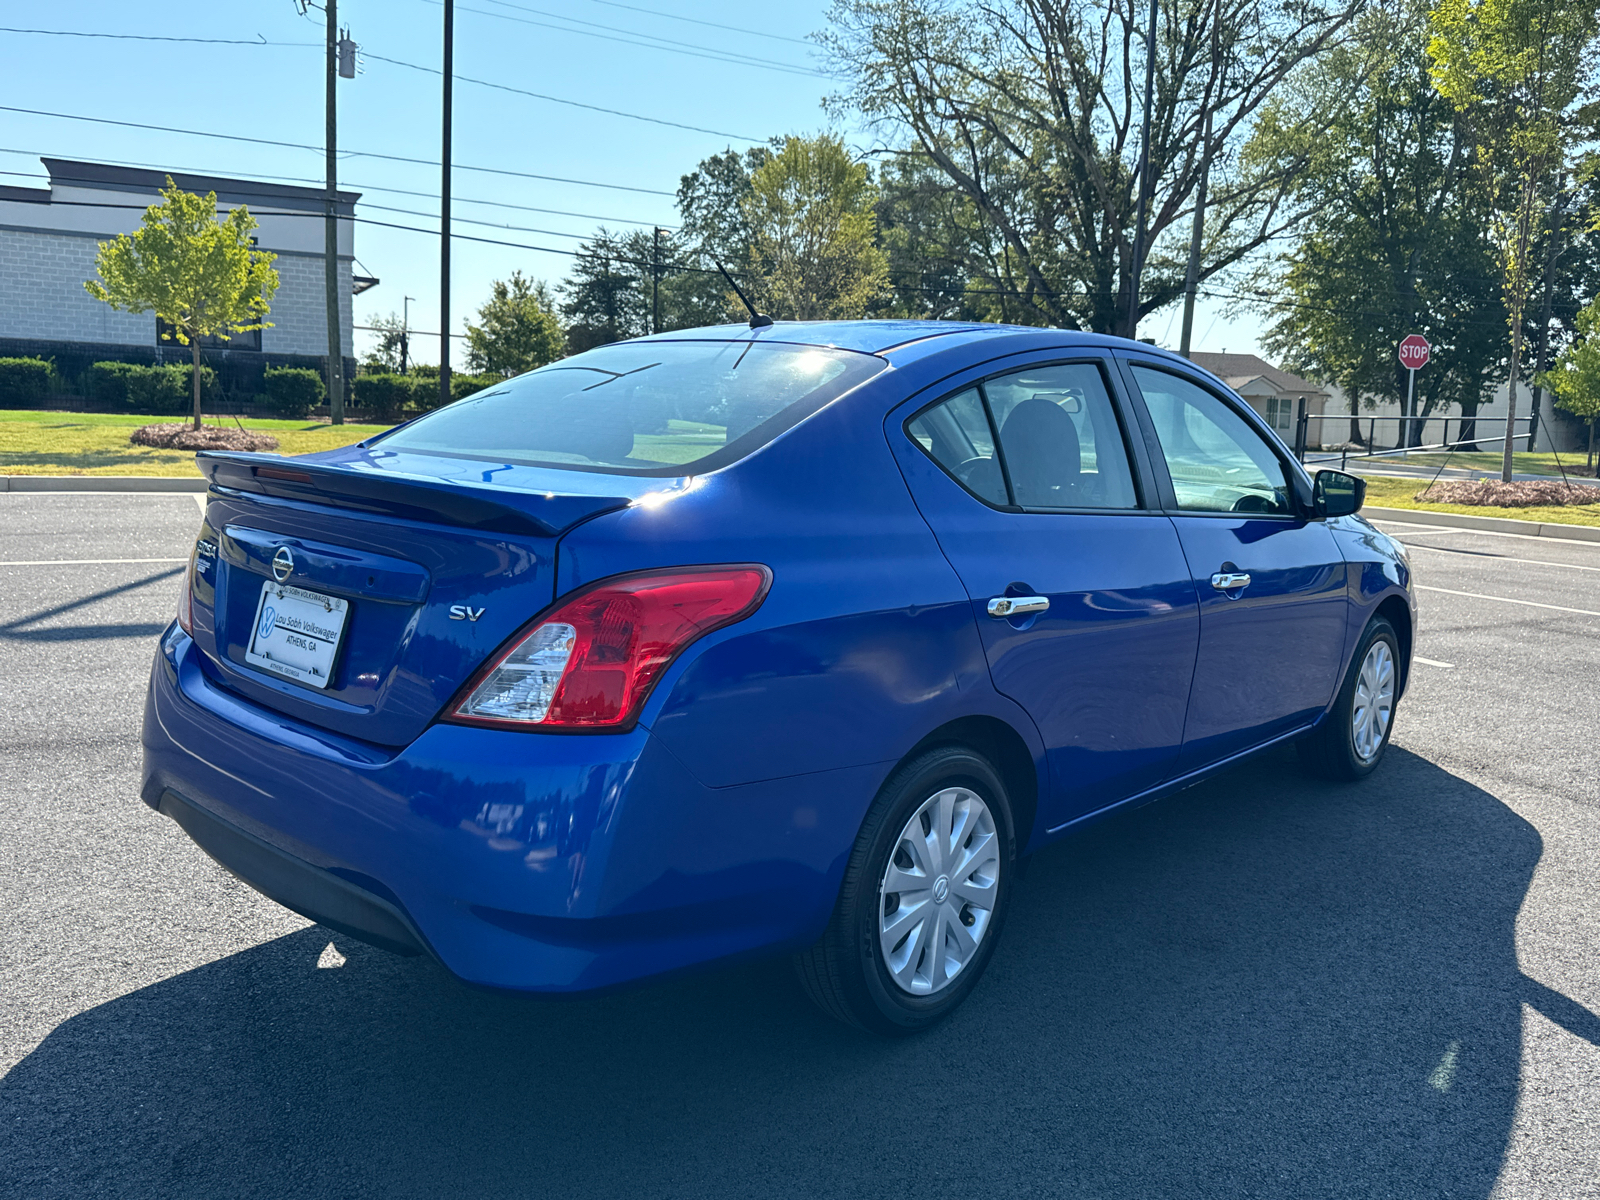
586 51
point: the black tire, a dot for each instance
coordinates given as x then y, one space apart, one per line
844 973
1331 750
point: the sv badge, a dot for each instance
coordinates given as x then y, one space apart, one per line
464 612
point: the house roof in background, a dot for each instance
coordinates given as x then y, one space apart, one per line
1238 371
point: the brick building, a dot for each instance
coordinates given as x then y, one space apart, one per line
48 239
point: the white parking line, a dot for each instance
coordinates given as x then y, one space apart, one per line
1582 612
1381 522
1500 558
1430 662
200 499
85 562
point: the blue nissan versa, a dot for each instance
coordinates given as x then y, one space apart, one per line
737 640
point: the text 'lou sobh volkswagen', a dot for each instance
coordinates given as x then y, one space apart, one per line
727 641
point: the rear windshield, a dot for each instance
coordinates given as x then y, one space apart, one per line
652 408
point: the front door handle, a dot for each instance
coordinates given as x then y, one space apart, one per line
1017 606
1227 581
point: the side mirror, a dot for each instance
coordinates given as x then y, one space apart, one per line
1335 494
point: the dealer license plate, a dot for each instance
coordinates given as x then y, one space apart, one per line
296 634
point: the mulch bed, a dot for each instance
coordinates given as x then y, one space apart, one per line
1519 494
184 436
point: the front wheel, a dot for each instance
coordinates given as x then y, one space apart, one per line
923 899
1350 742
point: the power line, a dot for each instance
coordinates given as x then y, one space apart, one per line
777 37
714 56
667 43
361 187
615 112
151 37
400 158
367 54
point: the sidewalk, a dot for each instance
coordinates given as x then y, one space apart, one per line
101 483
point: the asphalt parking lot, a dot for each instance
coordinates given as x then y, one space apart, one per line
1266 987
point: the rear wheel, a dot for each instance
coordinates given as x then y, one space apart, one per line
923 899
1350 742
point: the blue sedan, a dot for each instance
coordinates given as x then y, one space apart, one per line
735 641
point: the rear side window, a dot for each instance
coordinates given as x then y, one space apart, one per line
957 436
1060 443
646 408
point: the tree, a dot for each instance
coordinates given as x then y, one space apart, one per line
198 274
929 233
386 357
711 209
518 329
1513 70
813 249
1028 107
1395 246
604 302
1575 378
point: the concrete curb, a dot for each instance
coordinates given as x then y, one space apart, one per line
101 483
1571 533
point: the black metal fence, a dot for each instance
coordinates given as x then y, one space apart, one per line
1468 435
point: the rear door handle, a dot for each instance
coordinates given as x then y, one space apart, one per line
1227 581
1017 606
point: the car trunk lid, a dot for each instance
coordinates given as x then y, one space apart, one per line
424 565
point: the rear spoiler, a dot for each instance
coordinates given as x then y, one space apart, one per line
539 514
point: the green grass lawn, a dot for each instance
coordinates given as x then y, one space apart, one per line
1400 493
1540 462
56 443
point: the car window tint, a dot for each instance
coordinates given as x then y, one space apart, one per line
956 436
1059 435
1217 462
642 408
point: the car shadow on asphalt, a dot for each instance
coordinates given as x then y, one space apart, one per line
1266 986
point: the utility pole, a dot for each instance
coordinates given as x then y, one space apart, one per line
1191 278
655 284
1144 172
330 258
405 331
444 207
1544 321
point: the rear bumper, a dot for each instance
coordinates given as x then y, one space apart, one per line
524 861
294 883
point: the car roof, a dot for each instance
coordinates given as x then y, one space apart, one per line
866 337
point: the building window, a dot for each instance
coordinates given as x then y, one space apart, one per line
250 340
1280 413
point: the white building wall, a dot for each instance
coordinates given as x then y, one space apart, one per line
42 296
42 293
1557 428
299 313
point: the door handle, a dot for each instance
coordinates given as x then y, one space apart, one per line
1017 606
1227 581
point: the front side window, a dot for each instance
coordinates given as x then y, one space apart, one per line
1060 445
1217 462
645 408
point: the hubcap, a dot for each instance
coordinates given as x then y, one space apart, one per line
1374 701
937 895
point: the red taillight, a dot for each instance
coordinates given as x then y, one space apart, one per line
591 662
186 598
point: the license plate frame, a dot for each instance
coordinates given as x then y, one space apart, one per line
304 628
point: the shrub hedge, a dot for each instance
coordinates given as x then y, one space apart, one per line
292 392
400 397
25 381
140 389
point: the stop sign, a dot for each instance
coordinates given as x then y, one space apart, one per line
1414 352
